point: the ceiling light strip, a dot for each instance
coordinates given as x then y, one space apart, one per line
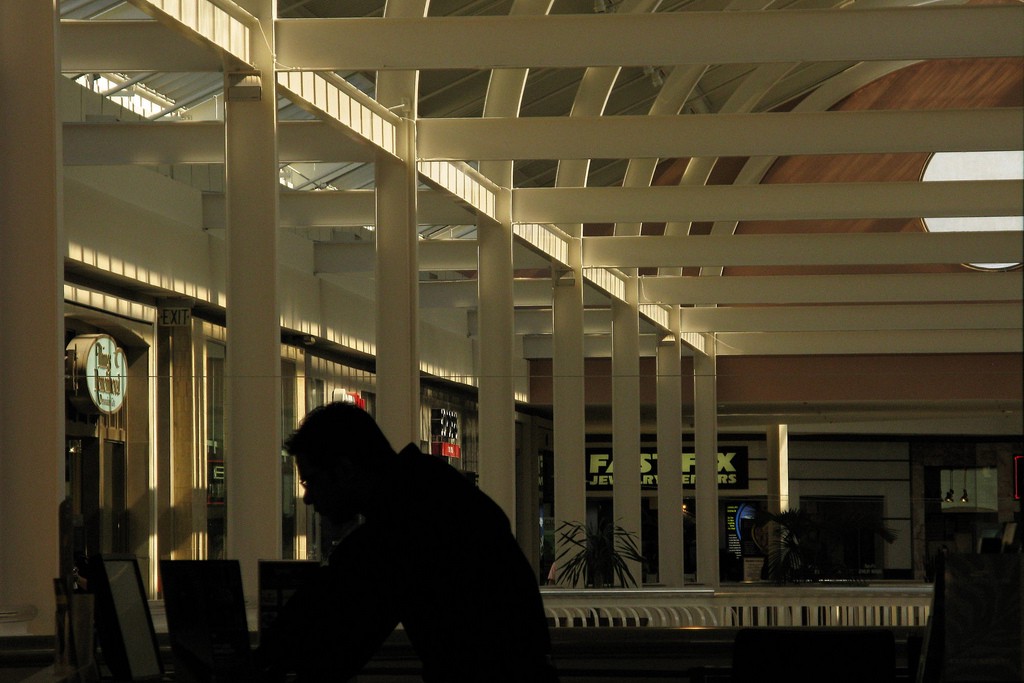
108 303
541 237
332 100
225 30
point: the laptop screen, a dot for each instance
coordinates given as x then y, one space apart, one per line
123 621
206 620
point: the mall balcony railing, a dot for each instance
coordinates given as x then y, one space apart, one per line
743 605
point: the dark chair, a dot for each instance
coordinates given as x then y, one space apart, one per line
814 654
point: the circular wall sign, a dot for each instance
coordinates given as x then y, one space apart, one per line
100 364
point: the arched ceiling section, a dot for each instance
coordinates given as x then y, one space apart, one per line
948 84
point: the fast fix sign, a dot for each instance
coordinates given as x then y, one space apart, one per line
732 469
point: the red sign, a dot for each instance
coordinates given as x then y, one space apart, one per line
448 450
353 398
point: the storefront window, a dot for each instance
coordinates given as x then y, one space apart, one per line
289 482
216 497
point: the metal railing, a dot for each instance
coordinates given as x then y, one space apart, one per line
760 605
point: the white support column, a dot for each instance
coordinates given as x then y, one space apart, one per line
705 418
253 362
626 417
497 333
778 468
670 455
568 401
398 365
398 357
31 314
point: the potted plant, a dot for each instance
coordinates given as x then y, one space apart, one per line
599 554
803 547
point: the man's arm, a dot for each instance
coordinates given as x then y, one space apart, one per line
332 626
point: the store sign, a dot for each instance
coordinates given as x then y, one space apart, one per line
351 397
97 373
732 469
216 491
444 433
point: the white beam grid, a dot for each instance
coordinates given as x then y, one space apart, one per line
342 208
658 315
810 249
698 135
546 238
432 255
921 317
796 201
833 289
639 39
594 346
334 99
97 46
889 342
222 25
528 293
462 182
812 343
464 294
609 282
199 142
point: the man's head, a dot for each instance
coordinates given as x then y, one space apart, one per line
337 448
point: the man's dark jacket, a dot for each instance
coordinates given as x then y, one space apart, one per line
436 555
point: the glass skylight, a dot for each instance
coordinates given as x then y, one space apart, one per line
976 166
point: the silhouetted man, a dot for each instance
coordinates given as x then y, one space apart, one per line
423 547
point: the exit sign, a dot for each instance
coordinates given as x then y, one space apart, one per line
174 317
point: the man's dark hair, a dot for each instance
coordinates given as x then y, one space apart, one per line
337 429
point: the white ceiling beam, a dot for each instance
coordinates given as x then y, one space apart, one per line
889 317
431 255
463 293
832 289
318 141
886 342
594 346
527 292
436 254
809 249
762 134
221 25
342 208
127 46
106 144
813 343
795 201
638 39
539 321
199 142
335 100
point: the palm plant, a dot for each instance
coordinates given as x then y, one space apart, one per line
597 554
802 546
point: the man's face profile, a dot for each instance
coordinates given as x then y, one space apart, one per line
332 492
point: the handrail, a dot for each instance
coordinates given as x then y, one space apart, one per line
756 605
